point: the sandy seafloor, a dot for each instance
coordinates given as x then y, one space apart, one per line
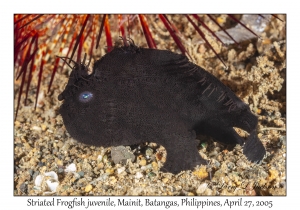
256 73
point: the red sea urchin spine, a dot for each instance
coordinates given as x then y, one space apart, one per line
206 27
32 68
216 22
23 70
236 20
93 35
100 31
146 30
172 32
122 30
108 34
79 37
33 19
66 26
203 37
39 80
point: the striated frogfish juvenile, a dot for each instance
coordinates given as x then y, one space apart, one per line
136 95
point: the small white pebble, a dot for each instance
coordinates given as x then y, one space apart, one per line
36 128
146 167
120 170
50 113
201 188
99 158
138 175
70 168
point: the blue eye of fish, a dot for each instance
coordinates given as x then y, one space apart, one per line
85 96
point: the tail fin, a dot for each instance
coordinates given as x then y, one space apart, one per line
253 148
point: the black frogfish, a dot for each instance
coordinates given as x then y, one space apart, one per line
136 95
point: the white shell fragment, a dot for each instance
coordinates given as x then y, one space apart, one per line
48 179
52 185
201 188
38 180
70 168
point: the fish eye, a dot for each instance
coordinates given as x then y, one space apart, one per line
85 96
